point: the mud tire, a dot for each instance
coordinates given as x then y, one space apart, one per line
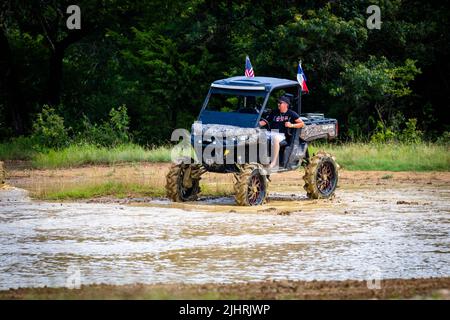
315 186
2 174
250 175
175 190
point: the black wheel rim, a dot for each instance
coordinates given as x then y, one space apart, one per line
256 190
185 193
326 178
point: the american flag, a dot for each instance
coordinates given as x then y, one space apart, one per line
248 68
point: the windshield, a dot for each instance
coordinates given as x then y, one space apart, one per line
233 102
233 107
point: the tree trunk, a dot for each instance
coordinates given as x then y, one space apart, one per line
16 112
55 76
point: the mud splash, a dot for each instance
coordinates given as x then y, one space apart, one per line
364 233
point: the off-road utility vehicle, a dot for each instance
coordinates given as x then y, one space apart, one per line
227 134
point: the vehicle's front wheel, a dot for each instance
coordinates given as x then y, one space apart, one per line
251 185
2 174
183 182
321 176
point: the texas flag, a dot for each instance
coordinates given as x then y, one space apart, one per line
301 78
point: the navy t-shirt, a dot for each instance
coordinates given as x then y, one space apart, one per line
277 119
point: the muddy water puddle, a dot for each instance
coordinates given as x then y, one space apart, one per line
368 233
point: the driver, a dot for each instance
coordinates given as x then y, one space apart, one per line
280 121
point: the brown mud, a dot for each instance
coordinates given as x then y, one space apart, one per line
388 289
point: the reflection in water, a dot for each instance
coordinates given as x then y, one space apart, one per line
362 234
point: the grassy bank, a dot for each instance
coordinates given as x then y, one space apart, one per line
351 156
18 149
390 157
119 190
74 156
116 189
135 180
138 180
80 155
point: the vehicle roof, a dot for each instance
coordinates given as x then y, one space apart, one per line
255 83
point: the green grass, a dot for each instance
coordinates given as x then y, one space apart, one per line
116 189
79 155
351 156
109 188
18 149
390 157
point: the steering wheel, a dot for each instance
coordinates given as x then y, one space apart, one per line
267 122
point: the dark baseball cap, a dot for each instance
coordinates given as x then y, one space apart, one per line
284 99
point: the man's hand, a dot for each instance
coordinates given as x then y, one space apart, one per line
298 124
287 124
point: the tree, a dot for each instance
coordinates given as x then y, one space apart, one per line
371 89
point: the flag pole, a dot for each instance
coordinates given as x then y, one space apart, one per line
299 107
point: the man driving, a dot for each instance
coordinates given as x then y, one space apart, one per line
279 122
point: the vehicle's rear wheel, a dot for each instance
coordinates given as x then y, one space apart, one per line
251 185
321 176
183 182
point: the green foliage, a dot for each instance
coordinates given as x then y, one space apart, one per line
158 58
375 80
119 123
20 148
382 134
411 134
444 139
110 133
375 88
49 130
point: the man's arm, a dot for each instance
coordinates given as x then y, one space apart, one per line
297 125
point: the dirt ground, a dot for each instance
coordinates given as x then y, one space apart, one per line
434 288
